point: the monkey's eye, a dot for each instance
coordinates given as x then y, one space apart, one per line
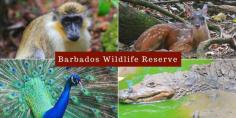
66 21
78 20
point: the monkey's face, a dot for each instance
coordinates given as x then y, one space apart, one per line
72 24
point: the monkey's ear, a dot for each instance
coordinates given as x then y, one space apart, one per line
55 14
87 18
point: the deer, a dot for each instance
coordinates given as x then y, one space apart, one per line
180 37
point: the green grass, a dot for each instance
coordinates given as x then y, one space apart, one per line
166 109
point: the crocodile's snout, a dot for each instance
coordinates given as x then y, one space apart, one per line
124 96
154 88
145 94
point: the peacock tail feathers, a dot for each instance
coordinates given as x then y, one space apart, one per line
28 88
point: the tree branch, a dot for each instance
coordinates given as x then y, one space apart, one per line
203 46
155 7
227 8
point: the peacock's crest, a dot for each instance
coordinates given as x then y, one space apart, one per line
28 88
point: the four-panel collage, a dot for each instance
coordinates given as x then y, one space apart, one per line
33 85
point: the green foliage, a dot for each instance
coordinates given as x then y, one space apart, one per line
234 20
115 3
110 37
104 7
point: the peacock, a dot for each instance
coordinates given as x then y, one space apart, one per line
39 89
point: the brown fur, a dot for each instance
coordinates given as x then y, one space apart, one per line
175 37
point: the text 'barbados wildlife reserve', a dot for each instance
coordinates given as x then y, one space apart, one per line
118 59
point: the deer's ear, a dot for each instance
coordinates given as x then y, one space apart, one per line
204 9
188 10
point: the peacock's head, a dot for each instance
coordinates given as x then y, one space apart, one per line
74 79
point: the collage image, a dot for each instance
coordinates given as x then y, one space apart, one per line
33 86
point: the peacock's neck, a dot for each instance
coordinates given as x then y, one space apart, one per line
58 110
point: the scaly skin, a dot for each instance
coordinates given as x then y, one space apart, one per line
218 75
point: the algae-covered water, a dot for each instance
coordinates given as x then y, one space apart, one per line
165 109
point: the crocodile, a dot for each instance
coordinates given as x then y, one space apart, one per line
218 75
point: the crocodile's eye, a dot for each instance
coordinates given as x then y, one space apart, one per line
151 84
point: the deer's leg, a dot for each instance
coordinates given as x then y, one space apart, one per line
181 47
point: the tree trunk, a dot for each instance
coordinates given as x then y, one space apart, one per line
132 23
3 17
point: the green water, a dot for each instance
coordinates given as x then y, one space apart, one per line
165 109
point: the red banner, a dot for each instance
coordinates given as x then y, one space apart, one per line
118 59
